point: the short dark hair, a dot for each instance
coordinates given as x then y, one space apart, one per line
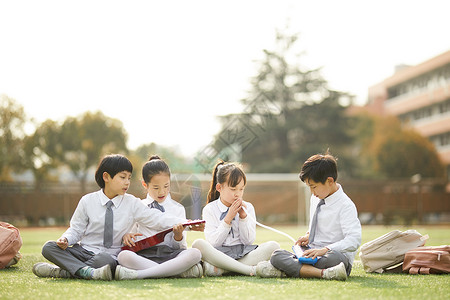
319 167
112 164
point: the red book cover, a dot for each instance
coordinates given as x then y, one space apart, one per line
156 239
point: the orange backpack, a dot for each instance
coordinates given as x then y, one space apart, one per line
427 260
10 243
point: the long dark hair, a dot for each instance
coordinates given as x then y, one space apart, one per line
230 173
154 166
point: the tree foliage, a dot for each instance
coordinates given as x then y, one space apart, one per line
171 156
290 114
77 144
12 122
392 151
42 150
86 138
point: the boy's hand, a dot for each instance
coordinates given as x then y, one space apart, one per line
129 238
313 253
62 243
303 240
178 232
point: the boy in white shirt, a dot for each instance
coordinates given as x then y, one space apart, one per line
89 247
335 230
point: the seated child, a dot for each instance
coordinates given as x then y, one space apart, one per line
229 230
171 257
335 231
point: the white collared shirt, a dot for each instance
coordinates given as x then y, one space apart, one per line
88 220
338 227
218 233
170 207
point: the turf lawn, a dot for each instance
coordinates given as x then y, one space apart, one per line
19 282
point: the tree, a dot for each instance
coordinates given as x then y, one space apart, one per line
392 151
176 162
83 140
42 151
12 121
290 114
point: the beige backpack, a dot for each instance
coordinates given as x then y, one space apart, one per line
389 250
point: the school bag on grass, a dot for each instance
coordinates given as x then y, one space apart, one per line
388 250
10 243
427 260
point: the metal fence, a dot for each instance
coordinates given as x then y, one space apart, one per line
278 199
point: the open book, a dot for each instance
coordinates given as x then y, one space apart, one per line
157 238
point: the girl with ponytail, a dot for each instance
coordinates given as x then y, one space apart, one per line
171 257
229 230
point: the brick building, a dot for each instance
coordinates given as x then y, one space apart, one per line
420 97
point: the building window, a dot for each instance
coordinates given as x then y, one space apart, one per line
428 81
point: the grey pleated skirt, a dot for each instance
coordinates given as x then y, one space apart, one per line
159 253
237 251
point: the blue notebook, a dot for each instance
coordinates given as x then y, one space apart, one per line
298 251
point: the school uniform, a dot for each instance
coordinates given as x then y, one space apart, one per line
338 229
236 239
169 248
86 231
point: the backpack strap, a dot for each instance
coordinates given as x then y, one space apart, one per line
424 271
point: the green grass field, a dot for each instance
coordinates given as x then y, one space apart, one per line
19 282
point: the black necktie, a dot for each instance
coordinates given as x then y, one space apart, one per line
156 205
108 230
222 216
314 222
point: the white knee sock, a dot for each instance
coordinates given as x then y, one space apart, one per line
220 259
175 266
262 253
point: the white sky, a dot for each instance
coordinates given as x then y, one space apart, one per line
166 69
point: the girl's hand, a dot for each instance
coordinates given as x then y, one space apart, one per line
313 253
178 232
129 238
242 213
232 211
303 240
62 243
197 227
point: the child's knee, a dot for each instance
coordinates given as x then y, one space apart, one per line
123 255
200 244
195 254
272 245
277 256
48 248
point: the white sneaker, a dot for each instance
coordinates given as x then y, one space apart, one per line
267 270
103 273
196 271
48 270
211 271
123 273
335 273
